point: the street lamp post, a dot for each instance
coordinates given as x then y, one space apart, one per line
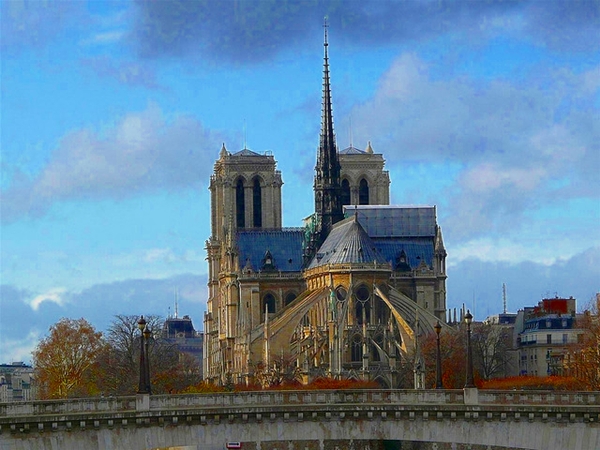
470 382
438 363
141 323
147 336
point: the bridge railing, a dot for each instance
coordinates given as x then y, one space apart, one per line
296 398
68 406
287 398
517 397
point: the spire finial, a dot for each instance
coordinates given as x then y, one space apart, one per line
325 26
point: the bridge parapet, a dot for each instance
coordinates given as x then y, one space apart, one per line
490 419
295 398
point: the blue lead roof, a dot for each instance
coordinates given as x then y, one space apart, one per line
415 250
285 246
395 221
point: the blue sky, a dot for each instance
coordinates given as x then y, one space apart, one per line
113 113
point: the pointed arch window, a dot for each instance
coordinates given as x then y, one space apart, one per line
256 204
346 192
269 303
363 192
240 207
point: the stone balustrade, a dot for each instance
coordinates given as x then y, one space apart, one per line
296 398
544 413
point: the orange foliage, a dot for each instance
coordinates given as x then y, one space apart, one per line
65 358
453 353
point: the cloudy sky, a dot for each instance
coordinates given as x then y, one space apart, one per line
113 114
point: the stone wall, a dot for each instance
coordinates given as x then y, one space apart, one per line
322 420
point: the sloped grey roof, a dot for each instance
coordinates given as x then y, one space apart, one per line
415 249
246 152
352 151
347 243
285 246
395 221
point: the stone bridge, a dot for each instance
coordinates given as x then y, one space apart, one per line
309 420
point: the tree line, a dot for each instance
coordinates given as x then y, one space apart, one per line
76 360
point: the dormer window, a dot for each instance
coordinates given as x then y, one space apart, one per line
268 262
402 262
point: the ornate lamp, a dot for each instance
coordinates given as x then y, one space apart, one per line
438 363
470 382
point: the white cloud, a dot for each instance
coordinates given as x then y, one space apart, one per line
522 145
55 295
142 152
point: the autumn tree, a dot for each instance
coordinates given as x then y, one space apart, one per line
453 350
583 358
64 358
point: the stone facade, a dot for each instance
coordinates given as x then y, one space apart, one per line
342 296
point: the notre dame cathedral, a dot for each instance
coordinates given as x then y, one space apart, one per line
345 295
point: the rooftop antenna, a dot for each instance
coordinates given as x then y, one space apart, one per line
245 142
504 297
351 144
176 299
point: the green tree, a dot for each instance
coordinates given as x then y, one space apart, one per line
64 360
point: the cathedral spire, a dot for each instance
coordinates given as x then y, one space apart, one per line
328 205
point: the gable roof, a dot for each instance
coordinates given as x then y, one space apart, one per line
246 152
352 151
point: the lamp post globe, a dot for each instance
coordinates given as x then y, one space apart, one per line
438 362
141 323
470 383
147 335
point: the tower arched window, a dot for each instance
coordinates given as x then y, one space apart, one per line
256 204
240 207
269 303
363 192
346 192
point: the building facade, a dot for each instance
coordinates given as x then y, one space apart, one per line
545 334
343 295
17 383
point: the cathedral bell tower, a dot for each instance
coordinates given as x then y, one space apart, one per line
328 205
